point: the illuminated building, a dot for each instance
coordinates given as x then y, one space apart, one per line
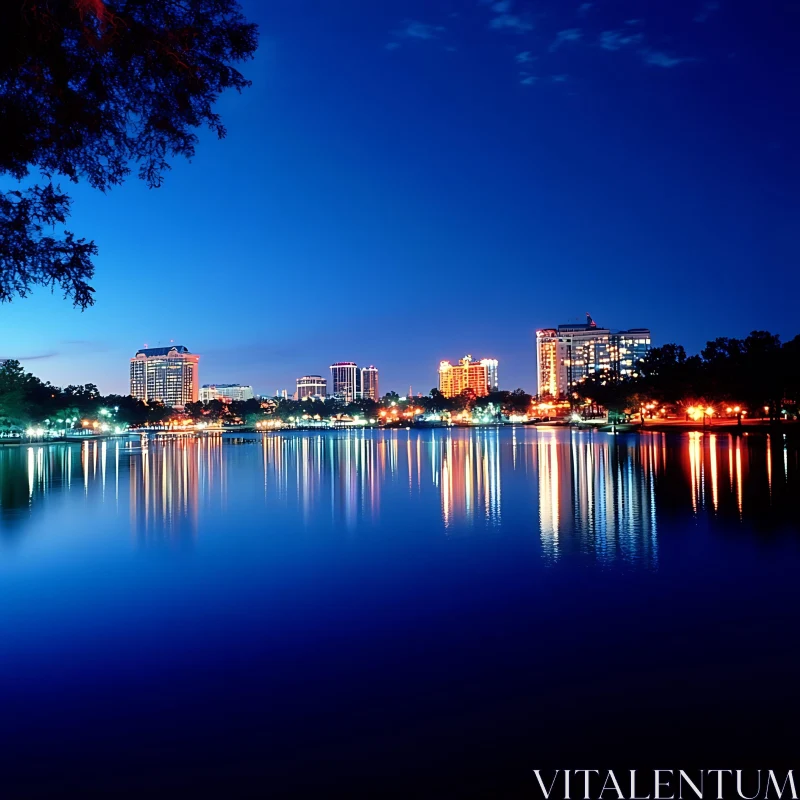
491 373
226 392
369 383
165 374
480 376
311 386
582 351
547 361
627 349
570 353
346 380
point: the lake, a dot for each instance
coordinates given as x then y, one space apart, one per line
433 613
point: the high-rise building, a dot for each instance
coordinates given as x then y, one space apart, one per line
369 383
226 392
547 361
570 353
165 374
346 381
491 373
311 386
480 376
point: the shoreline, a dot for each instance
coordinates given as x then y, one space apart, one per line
658 426
681 426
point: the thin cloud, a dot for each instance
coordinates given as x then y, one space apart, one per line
616 40
707 10
528 80
559 78
568 35
504 19
414 30
583 8
658 58
633 22
510 22
524 57
39 357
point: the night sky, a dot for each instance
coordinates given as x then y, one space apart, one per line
411 181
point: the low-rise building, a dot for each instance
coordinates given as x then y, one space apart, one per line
311 386
226 392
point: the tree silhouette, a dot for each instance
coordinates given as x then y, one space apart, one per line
87 88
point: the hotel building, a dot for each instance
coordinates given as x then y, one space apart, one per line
568 354
226 392
165 374
311 386
480 376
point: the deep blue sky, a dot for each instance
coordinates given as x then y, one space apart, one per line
411 181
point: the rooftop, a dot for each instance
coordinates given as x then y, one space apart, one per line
162 351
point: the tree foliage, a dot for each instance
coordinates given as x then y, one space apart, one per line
756 372
26 400
89 88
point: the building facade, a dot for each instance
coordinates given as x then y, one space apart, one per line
168 375
567 355
346 381
311 386
547 363
491 373
226 392
369 383
480 376
627 349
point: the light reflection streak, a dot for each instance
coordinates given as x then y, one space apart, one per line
712 448
739 476
769 463
696 467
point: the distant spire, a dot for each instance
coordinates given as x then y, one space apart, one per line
590 322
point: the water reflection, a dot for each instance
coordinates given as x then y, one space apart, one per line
742 476
597 496
590 495
467 470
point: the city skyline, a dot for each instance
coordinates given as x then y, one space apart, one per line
580 174
619 350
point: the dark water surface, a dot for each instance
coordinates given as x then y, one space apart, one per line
434 613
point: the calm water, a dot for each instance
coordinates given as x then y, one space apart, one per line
443 610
